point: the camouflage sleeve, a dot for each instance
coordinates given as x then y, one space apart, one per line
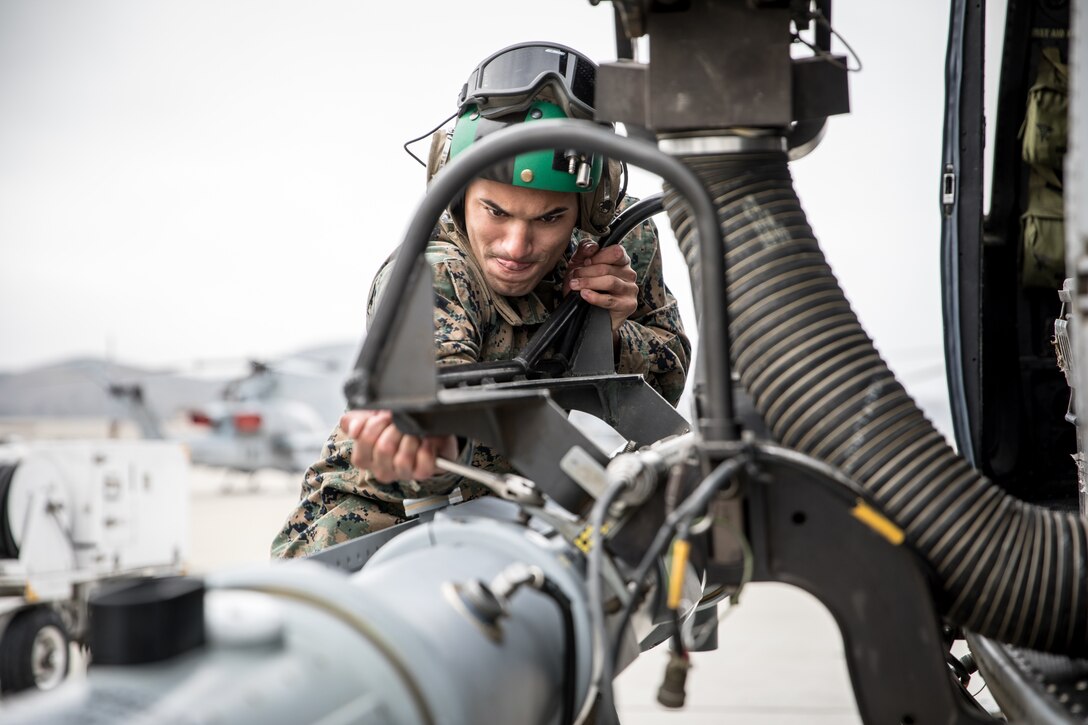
336 504
339 501
461 306
652 341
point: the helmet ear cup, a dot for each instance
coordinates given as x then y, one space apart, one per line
437 157
439 153
597 209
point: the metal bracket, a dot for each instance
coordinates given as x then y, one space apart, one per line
594 355
404 370
874 584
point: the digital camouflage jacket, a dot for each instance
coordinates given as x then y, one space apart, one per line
472 324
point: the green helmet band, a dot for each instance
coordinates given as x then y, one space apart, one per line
549 170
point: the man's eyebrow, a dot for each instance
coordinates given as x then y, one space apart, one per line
493 205
552 212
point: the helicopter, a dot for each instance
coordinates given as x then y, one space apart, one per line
275 416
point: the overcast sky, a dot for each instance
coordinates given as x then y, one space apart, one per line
217 178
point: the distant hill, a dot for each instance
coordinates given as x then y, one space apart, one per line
79 387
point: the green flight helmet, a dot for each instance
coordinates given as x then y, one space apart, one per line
565 170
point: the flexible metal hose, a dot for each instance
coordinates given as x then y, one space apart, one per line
1009 570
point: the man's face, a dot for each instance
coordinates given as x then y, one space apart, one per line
517 234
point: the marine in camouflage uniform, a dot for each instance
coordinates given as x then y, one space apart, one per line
474 324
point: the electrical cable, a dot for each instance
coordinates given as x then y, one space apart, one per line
625 176
672 488
631 217
570 661
821 19
677 636
680 549
692 504
606 710
634 215
425 135
566 323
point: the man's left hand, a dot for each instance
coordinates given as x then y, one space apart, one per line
604 278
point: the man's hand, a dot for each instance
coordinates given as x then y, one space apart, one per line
389 454
605 279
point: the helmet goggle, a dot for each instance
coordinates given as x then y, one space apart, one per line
510 79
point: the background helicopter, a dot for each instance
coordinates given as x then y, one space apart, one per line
275 416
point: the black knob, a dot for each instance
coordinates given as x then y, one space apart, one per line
146 620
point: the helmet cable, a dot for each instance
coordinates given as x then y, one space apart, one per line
425 135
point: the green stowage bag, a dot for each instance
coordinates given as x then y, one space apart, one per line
1043 234
1044 136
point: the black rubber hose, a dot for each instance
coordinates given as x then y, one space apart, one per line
573 306
1010 571
570 650
606 708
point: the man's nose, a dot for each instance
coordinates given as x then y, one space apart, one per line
518 240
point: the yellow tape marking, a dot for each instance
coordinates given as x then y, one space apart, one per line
878 522
680 551
584 540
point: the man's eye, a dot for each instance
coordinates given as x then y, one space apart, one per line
496 212
549 218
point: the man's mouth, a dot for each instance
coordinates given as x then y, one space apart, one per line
511 266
